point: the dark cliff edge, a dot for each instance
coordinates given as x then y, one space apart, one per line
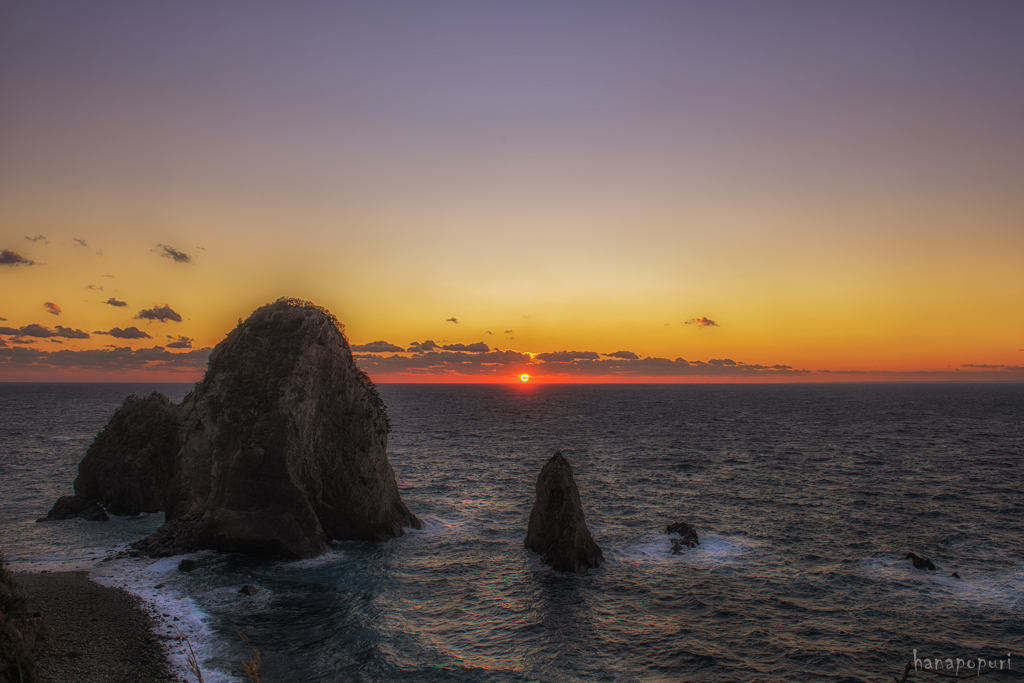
280 449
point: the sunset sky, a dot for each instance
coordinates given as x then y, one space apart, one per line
583 191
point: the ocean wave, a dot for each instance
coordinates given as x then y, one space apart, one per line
178 621
713 550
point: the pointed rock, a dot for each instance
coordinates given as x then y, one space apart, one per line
557 528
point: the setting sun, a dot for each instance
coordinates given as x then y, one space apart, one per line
524 377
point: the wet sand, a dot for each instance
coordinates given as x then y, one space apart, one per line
96 633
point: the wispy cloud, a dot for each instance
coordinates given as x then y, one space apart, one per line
95 288
37 238
423 347
79 242
624 355
442 363
161 313
180 343
43 332
114 302
127 333
701 322
377 347
478 347
452 320
13 258
52 308
567 356
172 253
113 359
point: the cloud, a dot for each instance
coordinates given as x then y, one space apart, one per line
429 345
41 332
69 333
21 340
161 313
508 331
624 355
377 347
37 238
2 343
180 343
701 322
114 302
127 333
79 242
52 307
13 258
117 358
3 320
452 320
492 363
567 356
95 288
478 347
488 332
172 253
721 362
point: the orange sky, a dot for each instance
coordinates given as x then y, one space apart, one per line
836 187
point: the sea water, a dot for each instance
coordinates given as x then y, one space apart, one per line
806 499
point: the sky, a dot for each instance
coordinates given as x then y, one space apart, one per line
581 191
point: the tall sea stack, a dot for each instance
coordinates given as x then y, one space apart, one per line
557 528
280 449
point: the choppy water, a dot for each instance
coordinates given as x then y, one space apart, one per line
806 497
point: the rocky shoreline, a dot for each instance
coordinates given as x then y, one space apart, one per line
96 633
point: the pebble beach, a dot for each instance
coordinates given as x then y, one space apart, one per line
97 634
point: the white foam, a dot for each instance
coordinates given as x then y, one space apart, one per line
714 550
176 616
329 557
998 588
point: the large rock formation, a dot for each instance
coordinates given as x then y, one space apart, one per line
558 529
280 449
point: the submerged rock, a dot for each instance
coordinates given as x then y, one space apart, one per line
920 562
557 528
280 449
687 533
75 507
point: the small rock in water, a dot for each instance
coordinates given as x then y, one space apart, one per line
956 576
920 562
249 590
71 507
158 586
186 565
689 536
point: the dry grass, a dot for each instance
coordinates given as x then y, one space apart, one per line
191 663
22 636
252 667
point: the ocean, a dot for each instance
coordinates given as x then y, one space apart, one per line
806 498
